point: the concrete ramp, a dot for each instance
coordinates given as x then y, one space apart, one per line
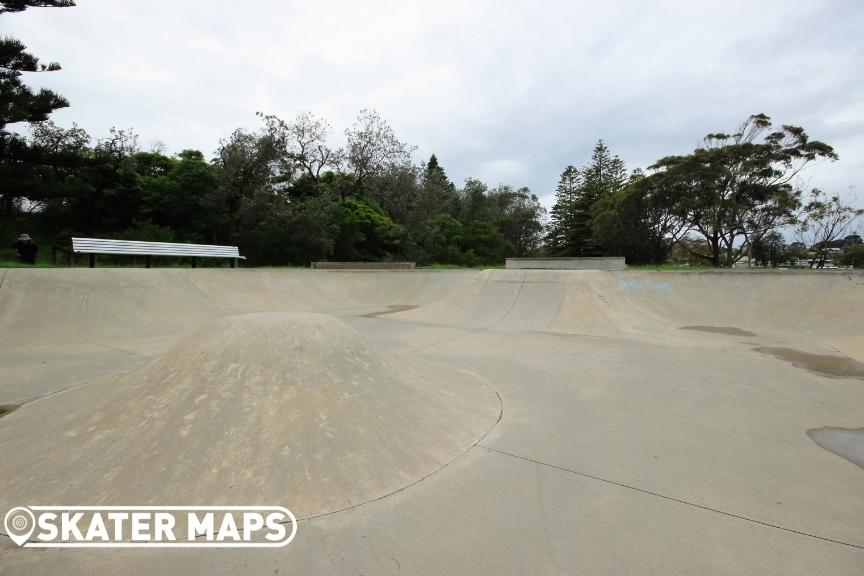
656 305
254 408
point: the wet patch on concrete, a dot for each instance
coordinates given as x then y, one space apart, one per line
821 364
729 330
847 443
7 408
393 308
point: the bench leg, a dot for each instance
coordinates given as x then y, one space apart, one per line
147 261
194 261
233 262
92 260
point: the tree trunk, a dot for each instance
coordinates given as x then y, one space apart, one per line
715 250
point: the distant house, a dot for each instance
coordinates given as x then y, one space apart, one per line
805 263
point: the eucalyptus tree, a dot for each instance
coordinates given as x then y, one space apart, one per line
372 147
738 187
828 219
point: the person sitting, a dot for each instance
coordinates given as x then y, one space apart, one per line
26 249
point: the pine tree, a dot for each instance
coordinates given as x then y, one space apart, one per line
604 176
18 102
434 171
558 241
437 194
21 5
578 190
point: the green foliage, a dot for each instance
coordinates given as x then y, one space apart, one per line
642 221
603 176
484 243
562 237
146 231
21 5
24 178
579 189
366 232
736 188
18 102
372 148
771 250
312 229
443 240
174 192
519 217
853 255
286 196
827 221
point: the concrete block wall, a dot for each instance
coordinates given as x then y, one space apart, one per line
589 263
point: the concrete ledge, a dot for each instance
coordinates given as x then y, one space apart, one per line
363 265
590 263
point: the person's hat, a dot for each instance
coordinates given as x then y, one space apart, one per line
24 237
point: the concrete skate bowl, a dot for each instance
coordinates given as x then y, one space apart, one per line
277 407
47 307
660 411
662 306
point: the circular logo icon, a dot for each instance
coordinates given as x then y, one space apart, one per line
19 523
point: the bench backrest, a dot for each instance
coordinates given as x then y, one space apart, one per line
138 248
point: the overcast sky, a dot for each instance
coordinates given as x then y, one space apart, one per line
508 92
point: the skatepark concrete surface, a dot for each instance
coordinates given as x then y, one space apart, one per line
445 421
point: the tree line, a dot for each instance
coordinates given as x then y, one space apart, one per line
279 192
286 194
726 201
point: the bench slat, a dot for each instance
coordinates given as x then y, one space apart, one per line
141 248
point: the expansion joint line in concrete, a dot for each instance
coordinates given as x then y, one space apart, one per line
445 341
106 346
512 303
419 480
54 393
477 330
671 498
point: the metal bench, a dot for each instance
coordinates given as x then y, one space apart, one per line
94 246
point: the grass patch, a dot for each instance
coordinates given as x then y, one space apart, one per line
9 260
673 267
706 268
13 263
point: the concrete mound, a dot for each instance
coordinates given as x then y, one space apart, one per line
276 408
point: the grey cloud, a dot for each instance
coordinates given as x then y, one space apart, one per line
507 91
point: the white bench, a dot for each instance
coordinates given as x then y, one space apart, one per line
93 246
